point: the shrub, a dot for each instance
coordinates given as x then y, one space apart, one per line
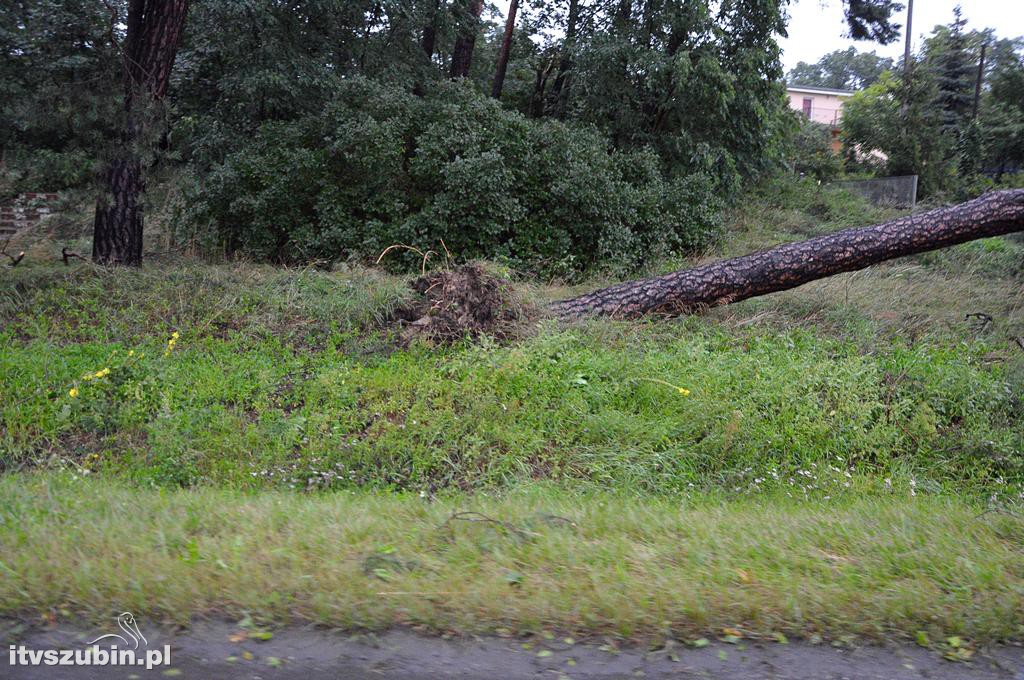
811 152
381 167
45 170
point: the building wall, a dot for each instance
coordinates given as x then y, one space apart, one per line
825 108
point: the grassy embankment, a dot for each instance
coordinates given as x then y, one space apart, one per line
814 461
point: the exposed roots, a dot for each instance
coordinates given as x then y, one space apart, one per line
465 302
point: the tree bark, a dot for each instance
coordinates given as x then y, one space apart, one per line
562 80
506 50
462 53
539 85
429 38
151 43
793 264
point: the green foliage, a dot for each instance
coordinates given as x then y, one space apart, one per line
927 125
811 152
700 87
48 170
380 167
873 20
1002 113
61 90
841 70
896 117
949 56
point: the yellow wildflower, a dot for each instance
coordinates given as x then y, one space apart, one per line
73 392
131 352
681 390
103 373
172 342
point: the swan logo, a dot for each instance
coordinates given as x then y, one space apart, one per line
126 622
122 649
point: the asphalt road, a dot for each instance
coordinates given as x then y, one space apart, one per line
222 651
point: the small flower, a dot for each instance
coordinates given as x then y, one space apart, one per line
681 390
73 392
171 343
103 373
131 352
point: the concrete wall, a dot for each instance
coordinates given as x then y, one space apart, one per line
897 192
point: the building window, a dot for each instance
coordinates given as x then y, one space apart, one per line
807 106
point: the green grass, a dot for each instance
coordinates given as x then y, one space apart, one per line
82 304
825 467
873 566
596 405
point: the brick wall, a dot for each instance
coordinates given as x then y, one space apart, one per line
25 211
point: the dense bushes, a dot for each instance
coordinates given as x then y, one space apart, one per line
380 166
45 170
811 154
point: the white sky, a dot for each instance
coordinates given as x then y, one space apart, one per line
816 27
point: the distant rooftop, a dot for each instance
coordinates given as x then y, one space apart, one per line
820 90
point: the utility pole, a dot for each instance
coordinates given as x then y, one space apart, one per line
906 49
977 82
905 106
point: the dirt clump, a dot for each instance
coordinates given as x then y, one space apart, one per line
465 302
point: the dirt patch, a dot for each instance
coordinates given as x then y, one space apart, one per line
465 302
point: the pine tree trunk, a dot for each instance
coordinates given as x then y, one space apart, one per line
151 43
462 53
506 50
793 264
117 227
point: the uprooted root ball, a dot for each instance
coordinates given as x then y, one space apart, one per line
467 301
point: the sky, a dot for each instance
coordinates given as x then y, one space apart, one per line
816 27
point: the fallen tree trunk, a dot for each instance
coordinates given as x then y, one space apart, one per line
793 264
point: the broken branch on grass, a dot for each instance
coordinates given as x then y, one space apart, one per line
471 516
984 318
66 255
556 520
15 259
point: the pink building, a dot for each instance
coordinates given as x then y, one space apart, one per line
821 105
